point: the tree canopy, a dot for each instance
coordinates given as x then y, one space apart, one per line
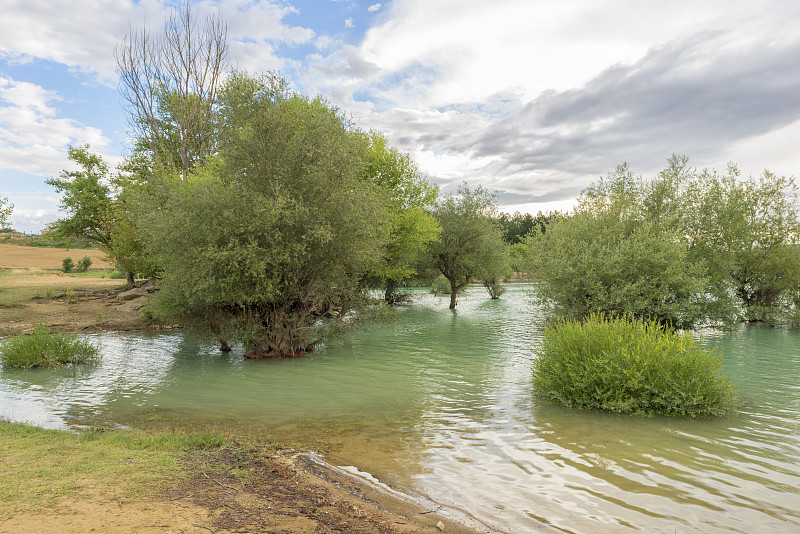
270 241
409 197
471 243
5 212
681 248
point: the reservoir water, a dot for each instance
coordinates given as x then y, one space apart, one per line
439 402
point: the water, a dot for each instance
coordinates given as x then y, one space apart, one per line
440 403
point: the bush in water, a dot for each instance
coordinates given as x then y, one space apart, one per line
628 366
44 349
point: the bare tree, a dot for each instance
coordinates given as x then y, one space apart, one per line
171 83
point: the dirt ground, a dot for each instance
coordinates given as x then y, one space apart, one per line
291 493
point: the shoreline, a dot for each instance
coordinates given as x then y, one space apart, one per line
224 488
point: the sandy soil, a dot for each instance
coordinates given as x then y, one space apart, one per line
293 493
289 494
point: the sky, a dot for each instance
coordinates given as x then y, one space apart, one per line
533 99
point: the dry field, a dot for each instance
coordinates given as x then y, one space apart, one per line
33 290
37 258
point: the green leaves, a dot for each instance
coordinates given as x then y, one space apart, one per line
628 366
471 243
271 244
5 212
682 248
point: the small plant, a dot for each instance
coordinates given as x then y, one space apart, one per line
45 349
69 294
84 264
627 366
67 265
48 291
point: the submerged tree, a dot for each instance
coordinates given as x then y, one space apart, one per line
409 197
270 241
748 232
471 241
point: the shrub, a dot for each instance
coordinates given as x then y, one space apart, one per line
628 366
45 349
84 264
67 264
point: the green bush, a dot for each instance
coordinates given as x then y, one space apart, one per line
84 264
45 349
67 264
628 366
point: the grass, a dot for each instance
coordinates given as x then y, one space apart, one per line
627 366
42 348
41 467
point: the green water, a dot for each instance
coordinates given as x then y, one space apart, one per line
440 403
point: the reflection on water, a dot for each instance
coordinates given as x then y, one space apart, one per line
440 402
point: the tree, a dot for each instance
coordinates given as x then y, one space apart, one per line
470 241
86 198
611 257
171 83
5 212
269 241
95 202
409 197
748 232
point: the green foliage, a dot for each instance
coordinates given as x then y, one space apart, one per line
748 233
67 265
86 198
518 226
519 257
5 212
410 196
629 366
84 264
269 242
45 349
471 243
609 258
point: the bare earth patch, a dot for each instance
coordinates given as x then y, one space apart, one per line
284 492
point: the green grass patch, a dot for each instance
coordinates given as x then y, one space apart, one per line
42 348
40 467
627 366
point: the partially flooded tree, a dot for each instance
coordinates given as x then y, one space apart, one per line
409 197
269 242
471 242
171 83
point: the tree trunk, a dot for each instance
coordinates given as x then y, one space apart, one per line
388 296
129 279
453 292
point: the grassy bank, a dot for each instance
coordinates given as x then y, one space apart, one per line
41 467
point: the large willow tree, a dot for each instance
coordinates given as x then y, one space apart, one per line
270 240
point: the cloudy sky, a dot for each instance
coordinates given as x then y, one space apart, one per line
534 99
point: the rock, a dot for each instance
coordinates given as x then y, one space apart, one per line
133 305
149 284
440 526
134 293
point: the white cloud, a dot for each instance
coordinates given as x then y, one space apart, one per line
440 77
33 138
374 8
348 23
